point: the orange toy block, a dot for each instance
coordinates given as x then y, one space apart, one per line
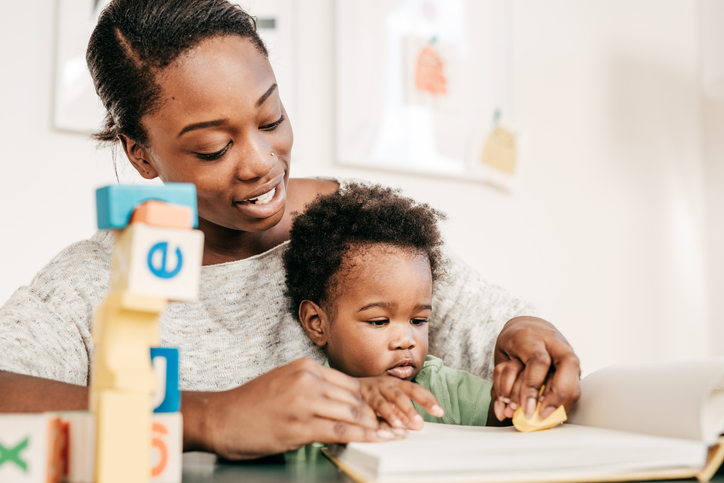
158 213
32 448
123 437
126 326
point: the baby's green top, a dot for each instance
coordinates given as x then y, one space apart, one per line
465 398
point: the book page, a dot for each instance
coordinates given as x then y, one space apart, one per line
442 452
681 399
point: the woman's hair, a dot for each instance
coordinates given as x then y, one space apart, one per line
355 216
135 39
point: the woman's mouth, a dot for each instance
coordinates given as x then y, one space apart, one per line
402 370
265 204
262 199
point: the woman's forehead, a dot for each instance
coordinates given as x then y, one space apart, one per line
217 67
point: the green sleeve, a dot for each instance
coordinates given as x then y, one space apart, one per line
465 398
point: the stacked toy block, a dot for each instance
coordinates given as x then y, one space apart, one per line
156 258
134 431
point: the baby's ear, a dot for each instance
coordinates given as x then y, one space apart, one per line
314 322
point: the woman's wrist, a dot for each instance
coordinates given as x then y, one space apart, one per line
198 430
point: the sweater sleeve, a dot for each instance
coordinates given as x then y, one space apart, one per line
468 314
45 326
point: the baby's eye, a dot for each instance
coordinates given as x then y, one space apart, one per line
418 321
378 322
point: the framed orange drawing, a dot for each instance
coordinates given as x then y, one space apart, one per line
423 86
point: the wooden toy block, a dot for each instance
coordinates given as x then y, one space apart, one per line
159 213
166 448
32 448
167 397
126 326
123 437
116 203
81 443
162 262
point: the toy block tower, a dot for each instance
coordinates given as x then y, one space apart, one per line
156 258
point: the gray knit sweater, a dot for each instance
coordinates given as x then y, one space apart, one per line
238 329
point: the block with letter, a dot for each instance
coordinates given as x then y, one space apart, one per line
166 448
163 262
81 443
32 448
167 397
116 203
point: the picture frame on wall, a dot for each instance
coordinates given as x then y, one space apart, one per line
77 108
424 86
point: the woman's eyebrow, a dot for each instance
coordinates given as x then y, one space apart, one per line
219 122
201 125
266 95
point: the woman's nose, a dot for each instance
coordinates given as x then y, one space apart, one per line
256 159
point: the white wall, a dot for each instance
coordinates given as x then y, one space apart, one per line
607 235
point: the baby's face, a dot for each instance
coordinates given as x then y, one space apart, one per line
379 317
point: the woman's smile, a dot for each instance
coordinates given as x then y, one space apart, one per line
266 204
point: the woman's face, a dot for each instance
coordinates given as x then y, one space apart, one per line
221 125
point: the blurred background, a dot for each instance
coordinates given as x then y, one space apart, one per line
613 224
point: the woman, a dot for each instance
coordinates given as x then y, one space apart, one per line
191 97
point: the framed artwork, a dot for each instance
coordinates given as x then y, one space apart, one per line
77 107
423 86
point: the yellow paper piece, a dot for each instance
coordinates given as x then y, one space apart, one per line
500 150
535 423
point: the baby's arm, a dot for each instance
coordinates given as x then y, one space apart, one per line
390 398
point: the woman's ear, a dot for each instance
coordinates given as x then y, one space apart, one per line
139 157
314 322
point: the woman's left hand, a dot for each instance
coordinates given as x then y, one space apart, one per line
531 352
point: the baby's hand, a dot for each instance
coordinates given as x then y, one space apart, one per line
390 398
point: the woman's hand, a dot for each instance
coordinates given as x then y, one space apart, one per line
530 352
294 405
390 398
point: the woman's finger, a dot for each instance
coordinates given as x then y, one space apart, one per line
564 387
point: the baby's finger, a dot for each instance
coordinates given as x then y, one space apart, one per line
400 395
504 376
386 410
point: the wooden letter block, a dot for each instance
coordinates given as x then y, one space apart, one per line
162 262
32 448
116 203
159 213
166 448
123 437
81 443
167 398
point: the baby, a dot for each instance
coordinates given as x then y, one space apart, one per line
360 268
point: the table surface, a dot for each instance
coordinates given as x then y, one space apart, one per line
307 466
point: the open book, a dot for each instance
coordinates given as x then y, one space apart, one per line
645 421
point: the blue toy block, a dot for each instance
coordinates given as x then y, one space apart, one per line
116 203
165 363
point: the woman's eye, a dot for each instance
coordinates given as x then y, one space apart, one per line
418 321
274 125
216 155
377 322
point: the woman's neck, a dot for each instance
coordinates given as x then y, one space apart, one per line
223 245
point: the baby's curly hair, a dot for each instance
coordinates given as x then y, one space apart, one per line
355 215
